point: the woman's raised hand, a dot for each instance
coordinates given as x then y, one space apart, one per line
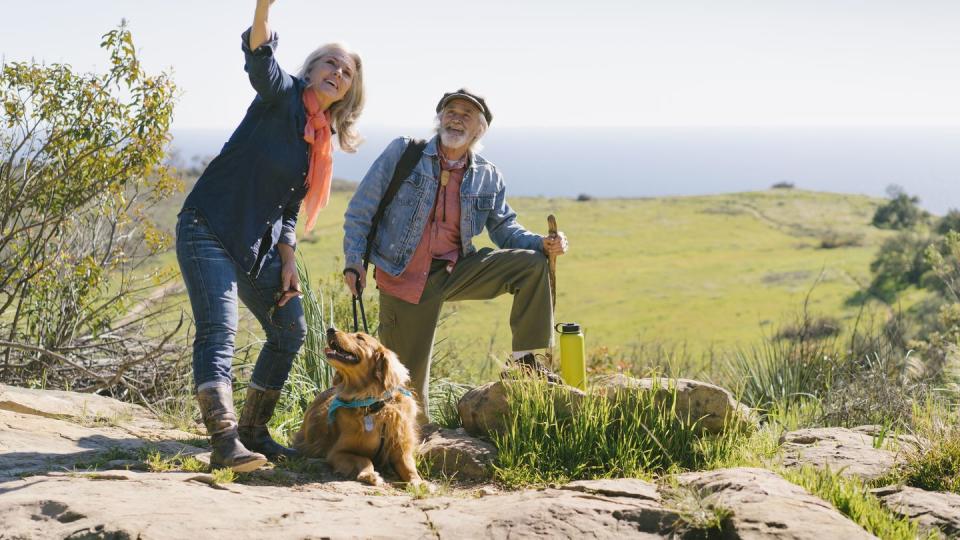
260 30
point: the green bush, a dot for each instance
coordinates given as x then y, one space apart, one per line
949 222
900 263
900 212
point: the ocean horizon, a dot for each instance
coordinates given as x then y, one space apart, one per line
677 161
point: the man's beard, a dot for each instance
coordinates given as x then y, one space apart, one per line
452 139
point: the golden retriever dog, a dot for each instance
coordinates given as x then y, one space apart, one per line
374 417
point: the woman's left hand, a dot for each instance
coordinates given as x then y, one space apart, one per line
289 283
555 245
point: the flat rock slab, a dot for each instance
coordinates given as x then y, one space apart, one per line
850 452
86 409
125 504
32 444
550 513
764 505
622 487
931 509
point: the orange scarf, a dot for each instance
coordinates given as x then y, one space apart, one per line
319 175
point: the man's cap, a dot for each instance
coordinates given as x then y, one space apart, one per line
467 95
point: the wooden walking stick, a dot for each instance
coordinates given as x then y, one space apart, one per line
552 259
552 229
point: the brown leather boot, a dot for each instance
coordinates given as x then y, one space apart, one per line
530 366
257 411
216 407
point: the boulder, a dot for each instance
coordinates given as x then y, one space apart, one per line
453 453
484 409
851 452
713 406
764 505
930 509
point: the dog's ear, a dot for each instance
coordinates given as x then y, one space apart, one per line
388 369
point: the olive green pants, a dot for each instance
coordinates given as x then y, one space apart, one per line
408 329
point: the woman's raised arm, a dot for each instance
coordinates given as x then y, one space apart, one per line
260 31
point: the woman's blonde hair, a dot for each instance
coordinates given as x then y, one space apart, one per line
343 113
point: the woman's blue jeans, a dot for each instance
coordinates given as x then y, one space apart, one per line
214 284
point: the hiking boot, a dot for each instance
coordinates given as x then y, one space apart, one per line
216 408
530 366
257 411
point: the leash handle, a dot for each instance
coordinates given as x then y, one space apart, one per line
358 299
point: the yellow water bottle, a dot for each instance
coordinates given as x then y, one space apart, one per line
573 367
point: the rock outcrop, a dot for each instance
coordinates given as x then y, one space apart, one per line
456 455
764 505
57 451
931 509
42 430
713 407
484 409
852 452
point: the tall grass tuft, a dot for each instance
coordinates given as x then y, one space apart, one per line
553 437
779 373
323 305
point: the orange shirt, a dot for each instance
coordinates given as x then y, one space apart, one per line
440 240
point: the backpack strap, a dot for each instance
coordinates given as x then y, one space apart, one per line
411 156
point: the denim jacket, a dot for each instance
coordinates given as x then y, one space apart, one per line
251 192
483 203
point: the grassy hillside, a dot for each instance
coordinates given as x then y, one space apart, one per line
694 273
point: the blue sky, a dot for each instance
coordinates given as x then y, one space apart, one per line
543 63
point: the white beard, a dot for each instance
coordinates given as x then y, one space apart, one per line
453 140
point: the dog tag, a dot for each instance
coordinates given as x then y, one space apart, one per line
368 423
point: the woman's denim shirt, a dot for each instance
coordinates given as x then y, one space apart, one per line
483 203
250 193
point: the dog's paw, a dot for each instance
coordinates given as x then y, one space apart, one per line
371 478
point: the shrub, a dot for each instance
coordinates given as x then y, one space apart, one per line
605 438
833 239
81 166
900 212
811 328
900 263
870 390
584 197
783 185
949 222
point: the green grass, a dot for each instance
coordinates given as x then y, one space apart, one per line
853 499
545 442
936 467
701 273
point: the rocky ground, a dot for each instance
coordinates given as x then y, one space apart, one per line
78 466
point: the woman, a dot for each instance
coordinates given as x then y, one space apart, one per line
235 234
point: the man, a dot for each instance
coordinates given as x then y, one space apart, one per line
423 250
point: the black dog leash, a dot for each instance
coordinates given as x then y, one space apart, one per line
358 299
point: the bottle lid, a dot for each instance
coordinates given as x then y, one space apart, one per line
568 328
